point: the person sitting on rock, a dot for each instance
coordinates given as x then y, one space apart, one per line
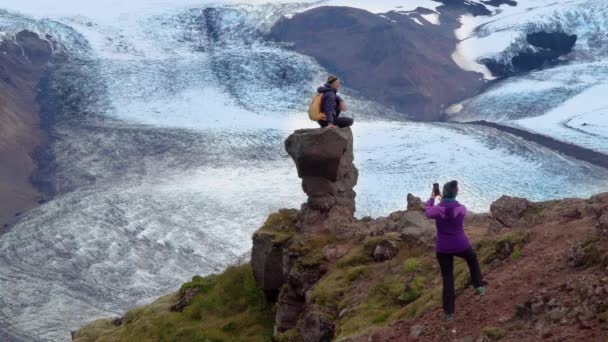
332 105
452 241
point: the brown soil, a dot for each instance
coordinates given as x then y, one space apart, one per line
22 64
392 60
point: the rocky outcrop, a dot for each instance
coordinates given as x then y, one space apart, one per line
324 160
539 50
509 210
267 251
291 252
23 62
414 203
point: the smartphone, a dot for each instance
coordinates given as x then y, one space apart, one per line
436 191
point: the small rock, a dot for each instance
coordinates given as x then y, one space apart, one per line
571 214
557 313
416 330
185 298
385 250
585 324
117 321
523 311
552 303
503 319
542 330
331 253
343 312
467 339
537 308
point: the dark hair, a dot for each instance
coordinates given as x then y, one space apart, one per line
450 189
331 79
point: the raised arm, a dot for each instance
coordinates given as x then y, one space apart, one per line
433 211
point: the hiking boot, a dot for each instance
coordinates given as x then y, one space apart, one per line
448 317
480 291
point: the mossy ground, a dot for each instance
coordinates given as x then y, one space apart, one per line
279 226
360 295
228 307
366 295
492 333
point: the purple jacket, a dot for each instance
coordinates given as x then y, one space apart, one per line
449 217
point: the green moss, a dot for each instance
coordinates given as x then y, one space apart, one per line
355 257
279 226
493 333
369 244
516 254
412 291
358 272
291 335
592 253
330 290
603 317
362 254
427 300
503 247
411 265
313 258
228 307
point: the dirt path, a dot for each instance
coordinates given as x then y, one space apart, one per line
542 270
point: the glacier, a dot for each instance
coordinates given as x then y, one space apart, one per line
168 153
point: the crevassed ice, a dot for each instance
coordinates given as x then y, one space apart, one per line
173 155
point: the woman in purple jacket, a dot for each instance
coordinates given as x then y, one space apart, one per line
452 241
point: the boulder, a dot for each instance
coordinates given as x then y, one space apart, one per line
267 252
414 203
509 210
315 326
385 250
289 308
185 298
267 264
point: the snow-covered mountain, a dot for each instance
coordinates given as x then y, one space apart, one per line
564 100
168 119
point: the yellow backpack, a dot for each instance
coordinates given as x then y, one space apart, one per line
314 111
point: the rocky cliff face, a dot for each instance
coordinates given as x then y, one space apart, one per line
23 61
336 277
391 58
325 275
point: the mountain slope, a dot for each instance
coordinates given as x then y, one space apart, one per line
22 64
400 60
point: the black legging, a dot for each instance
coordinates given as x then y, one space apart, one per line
446 262
340 122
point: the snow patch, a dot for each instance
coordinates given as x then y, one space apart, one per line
417 21
432 18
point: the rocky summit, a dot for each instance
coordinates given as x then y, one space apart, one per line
320 274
